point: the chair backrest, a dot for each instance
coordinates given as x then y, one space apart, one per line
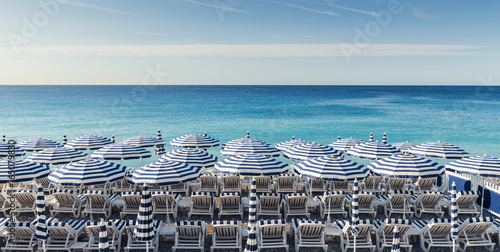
202 200
132 199
365 227
272 228
340 185
231 181
310 228
65 229
208 181
160 198
475 227
270 200
65 198
372 182
400 198
22 230
179 186
388 227
396 183
262 182
226 230
98 198
3 197
286 181
466 198
189 230
425 184
428 198
44 182
437 227
296 200
230 200
25 198
114 228
333 198
365 199
317 183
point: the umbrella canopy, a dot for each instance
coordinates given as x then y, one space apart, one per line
121 151
160 149
355 209
103 237
194 141
65 140
372 150
371 138
288 144
332 168
3 139
252 221
404 146
24 171
250 147
406 166
395 241
89 142
454 212
251 165
439 150
483 166
345 144
246 139
165 173
4 150
57 156
309 151
38 144
144 230
144 141
384 139
194 157
87 172
41 232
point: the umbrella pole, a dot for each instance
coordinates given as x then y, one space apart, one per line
168 216
454 246
482 199
354 247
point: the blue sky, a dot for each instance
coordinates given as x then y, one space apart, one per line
248 42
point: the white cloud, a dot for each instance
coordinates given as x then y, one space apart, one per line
306 9
96 7
330 3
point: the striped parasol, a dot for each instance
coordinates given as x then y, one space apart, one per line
144 230
355 212
250 147
252 221
404 146
345 144
24 171
454 214
395 241
288 144
439 150
3 138
65 140
38 144
165 173
41 232
160 149
194 157
371 138
406 166
57 156
194 141
332 168
372 150
251 165
103 237
4 150
144 141
89 142
483 166
309 151
246 139
384 139
87 172
121 151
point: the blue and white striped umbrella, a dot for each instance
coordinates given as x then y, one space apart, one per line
3 138
454 213
65 140
41 232
355 209
87 172
373 150
144 141
4 150
371 138
288 144
309 151
38 144
158 135
194 141
251 165
160 149
144 230
103 237
483 166
121 151
24 171
384 139
251 147
89 142
57 156
332 168
194 157
404 146
345 144
246 139
406 166
395 241
165 173
252 219
439 150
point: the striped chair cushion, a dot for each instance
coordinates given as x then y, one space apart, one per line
335 193
415 198
67 191
130 193
382 198
94 192
287 175
389 221
201 194
270 222
496 223
297 222
270 195
296 195
225 222
401 192
230 194
113 197
3 221
189 223
72 224
421 224
348 197
131 223
21 224
161 193
467 193
480 219
118 223
342 223
24 191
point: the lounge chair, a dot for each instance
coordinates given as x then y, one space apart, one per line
226 235
365 203
114 230
364 238
230 204
269 204
296 204
427 202
272 234
426 184
231 184
317 185
3 203
473 233
285 183
309 233
67 201
133 244
25 201
466 202
46 185
24 239
62 235
434 233
123 185
394 184
160 203
396 202
98 202
189 235
132 201
179 188
372 184
333 201
203 204
385 230
263 184
209 183
340 186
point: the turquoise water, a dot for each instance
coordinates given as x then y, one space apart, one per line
464 116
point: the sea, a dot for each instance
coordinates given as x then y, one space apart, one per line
466 116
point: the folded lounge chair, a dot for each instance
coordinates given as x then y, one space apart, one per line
426 184
396 202
231 184
340 186
309 233
394 184
160 203
189 235
269 204
365 203
179 188
209 183
317 185
67 201
466 202
285 183
263 184
372 184
98 202
226 235
25 201
272 234
132 201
